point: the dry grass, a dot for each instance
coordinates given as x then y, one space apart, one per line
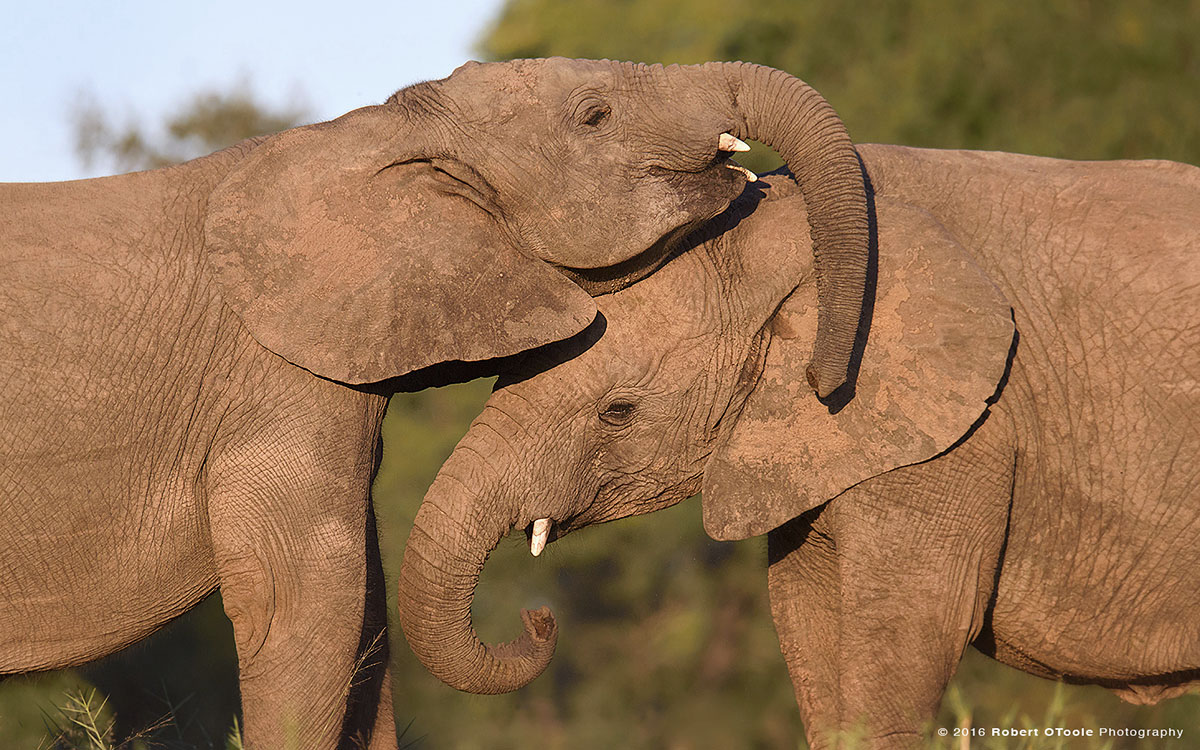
82 722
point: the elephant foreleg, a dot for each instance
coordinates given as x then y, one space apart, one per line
876 596
802 579
301 581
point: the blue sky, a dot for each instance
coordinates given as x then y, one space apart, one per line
140 58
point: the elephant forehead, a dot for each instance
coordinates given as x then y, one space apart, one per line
512 87
660 311
569 70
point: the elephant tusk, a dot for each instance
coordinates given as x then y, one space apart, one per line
750 176
541 532
729 143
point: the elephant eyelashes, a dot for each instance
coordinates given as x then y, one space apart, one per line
617 413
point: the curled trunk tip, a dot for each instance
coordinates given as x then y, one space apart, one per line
540 624
437 586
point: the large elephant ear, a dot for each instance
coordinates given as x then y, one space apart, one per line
938 346
351 255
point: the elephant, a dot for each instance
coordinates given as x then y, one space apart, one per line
1010 465
197 359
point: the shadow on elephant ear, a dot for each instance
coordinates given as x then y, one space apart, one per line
839 398
745 205
528 364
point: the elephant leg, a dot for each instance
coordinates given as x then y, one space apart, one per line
384 734
371 719
802 579
298 563
877 595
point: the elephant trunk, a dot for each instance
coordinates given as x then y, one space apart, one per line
788 115
452 536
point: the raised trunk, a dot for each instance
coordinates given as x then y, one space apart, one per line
788 115
450 541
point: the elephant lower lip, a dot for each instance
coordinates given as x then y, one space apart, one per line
750 176
605 280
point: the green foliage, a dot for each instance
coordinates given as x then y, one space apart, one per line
81 719
207 122
85 724
985 694
1083 79
233 740
28 707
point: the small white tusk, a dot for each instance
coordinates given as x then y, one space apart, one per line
728 143
750 176
541 532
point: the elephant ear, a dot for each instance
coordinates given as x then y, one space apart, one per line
937 349
349 254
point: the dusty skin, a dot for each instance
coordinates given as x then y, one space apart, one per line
1014 468
196 360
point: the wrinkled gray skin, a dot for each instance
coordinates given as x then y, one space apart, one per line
1030 490
196 360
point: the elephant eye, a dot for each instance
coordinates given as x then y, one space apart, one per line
618 412
595 114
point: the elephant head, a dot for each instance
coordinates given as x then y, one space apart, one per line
698 382
449 222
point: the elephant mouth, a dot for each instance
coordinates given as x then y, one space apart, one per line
542 532
707 191
727 146
710 192
720 167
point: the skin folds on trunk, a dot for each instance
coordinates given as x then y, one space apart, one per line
788 115
456 529
452 536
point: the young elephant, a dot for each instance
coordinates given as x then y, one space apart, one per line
196 360
1028 489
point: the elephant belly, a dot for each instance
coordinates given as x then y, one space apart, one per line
1102 597
1100 577
88 569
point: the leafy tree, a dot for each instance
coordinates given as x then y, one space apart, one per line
208 121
